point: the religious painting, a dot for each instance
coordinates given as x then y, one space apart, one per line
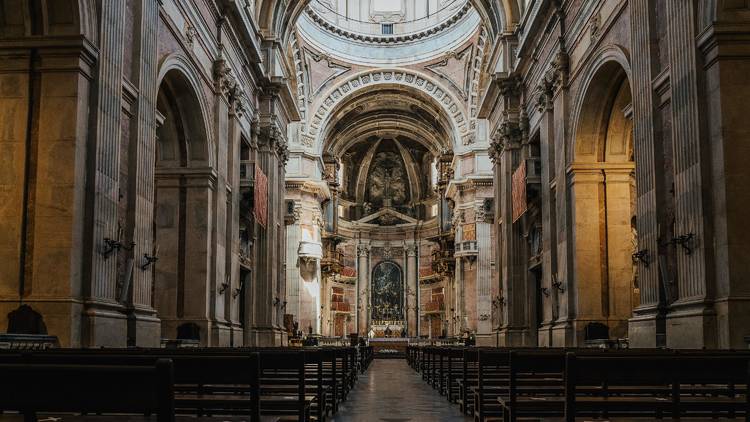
518 190
469 232
260 189
387 292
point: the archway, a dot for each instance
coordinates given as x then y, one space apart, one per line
603 206
183 192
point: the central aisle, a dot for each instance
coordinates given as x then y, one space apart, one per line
391 391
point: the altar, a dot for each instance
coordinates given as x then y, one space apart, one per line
389 347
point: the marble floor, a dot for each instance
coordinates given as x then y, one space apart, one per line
390 391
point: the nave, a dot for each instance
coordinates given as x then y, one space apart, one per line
390 391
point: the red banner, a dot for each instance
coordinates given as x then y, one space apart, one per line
518 183
260 193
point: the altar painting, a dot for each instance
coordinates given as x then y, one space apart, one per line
387 293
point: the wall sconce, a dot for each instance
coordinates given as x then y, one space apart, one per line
223 287
557 284
276 301
283 305
545 291
112 245
686 241
148 260
642 256
237 290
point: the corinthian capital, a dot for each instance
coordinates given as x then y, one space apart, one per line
363 250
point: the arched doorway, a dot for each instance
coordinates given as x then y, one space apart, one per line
183 191
603 207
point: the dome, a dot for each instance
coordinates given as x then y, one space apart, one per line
388 32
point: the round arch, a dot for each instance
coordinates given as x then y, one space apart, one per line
602 195
607 61
176 71
406 80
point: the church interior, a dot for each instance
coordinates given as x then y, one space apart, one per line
271 210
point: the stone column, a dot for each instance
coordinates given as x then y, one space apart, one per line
620 304
591 290
549 223
260 330
643 327
104 323
293 266
514 331
363 288
144 322
484 270
689 324
412 289
460 323
725 59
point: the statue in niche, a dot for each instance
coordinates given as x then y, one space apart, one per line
387 293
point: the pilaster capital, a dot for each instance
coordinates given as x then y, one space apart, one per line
483 214
458 217
363 250
411 249
553 79
227 83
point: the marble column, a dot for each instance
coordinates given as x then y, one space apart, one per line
412 289
363 288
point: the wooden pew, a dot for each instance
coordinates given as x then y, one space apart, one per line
677 386
140 390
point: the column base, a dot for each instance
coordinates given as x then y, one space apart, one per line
221 334
647 330
265 337
104 324
691 326
544 335
238 334
563 334
144 328
62 317
733 319
516 337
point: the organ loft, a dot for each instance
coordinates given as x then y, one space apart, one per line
304 188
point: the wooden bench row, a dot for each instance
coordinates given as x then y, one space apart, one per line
253 383
565 384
